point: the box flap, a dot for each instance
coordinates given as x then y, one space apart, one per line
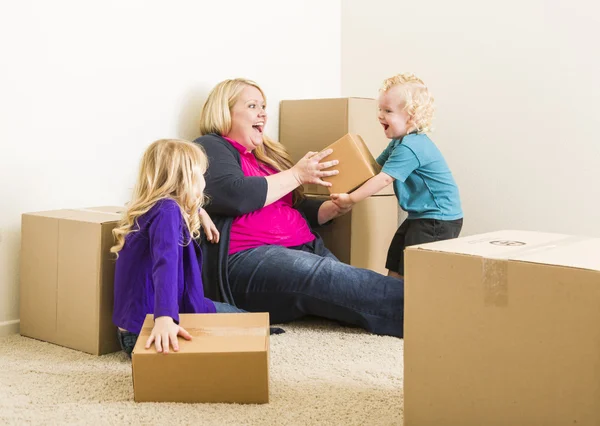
526 246
91 215
215 333
78 266
324 99
107 209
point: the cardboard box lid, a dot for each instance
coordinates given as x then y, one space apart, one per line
324 99
215 333
89 215
525 246
108 209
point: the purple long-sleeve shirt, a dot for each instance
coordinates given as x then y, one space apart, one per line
156 273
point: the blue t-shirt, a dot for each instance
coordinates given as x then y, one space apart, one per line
423 182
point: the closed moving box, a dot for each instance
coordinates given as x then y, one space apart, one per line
362 237
503 329
312 124
67 275
227 360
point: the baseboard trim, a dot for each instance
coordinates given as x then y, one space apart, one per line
9 327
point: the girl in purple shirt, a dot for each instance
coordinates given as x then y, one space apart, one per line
158 269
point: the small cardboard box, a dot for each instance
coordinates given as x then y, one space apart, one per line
312 124
356 166
362 237
503 329
227 360
67 274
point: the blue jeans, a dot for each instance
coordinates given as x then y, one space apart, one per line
290 283
226 308
128 339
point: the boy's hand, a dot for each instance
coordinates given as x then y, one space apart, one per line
165 333
343 201
212 234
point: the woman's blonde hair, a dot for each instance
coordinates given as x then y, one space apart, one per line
216 118
416 100
168 170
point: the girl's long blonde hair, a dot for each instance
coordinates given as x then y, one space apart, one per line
216 118
168 170
416 100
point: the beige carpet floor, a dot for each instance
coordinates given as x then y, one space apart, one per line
321 374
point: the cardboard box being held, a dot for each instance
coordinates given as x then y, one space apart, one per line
356 166
67 274
503 329
227 360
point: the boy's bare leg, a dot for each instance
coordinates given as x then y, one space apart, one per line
395 275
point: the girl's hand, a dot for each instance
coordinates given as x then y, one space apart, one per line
343 201
212 234
165 333
309 168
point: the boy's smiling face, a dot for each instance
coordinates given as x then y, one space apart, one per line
391 115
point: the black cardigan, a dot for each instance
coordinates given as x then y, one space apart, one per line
232 194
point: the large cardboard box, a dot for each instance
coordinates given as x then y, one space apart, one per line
362 237
227 360
503 329
67 274
312 124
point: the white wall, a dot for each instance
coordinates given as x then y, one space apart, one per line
86 86
517 86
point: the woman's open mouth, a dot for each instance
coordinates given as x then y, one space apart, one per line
259 126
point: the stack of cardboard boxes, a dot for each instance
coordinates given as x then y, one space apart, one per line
360 238
66 298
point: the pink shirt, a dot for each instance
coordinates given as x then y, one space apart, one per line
279 223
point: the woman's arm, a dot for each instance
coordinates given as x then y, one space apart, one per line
318 211
329 210
232 193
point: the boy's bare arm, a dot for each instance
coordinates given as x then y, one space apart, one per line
370 187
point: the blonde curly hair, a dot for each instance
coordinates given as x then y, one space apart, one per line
216 118
416 100
168 170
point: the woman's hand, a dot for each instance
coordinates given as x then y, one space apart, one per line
212 234
165 332
309 168
329 210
